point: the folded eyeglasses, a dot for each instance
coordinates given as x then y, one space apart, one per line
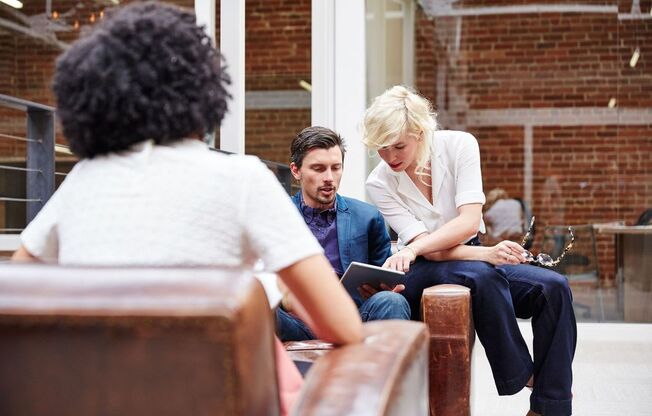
543 259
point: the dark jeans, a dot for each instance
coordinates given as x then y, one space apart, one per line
499 295
382 305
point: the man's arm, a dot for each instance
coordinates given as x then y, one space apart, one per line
320 300
380 246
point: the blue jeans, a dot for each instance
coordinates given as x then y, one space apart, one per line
499 295
382 305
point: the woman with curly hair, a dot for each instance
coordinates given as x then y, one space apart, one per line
428 187
135 97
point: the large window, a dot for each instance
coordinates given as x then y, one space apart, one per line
558 97
277 73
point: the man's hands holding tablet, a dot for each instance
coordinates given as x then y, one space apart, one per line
366 280
367 291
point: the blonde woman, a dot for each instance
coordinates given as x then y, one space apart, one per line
428 187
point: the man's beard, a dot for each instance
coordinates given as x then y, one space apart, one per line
325 200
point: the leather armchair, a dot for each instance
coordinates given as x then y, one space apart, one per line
446 311
145 341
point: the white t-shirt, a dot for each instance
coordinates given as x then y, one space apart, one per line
180 204
456 181
505 217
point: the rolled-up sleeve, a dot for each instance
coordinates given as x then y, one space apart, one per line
41 238
468 175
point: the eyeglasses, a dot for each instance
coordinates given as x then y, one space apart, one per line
543 259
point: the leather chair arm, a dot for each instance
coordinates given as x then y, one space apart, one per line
384 375
446 310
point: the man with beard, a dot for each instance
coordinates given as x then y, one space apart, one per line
348 229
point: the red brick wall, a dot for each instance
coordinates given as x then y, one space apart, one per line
277 57
277 44
269 132
560 60
494 158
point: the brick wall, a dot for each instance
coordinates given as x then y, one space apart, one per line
277 57
585 173
277 44
269 132
507 62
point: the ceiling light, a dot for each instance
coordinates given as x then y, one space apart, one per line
305 85
59 148
13 3
634 58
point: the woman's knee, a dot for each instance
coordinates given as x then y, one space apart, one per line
479 275
556 285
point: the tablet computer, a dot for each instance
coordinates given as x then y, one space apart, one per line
358 274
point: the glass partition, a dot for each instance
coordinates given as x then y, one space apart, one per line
558 96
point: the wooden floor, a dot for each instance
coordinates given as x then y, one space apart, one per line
612 374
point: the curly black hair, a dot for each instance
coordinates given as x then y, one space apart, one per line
146 72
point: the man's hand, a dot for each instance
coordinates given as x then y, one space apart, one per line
367 291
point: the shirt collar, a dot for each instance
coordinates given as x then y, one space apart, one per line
310 213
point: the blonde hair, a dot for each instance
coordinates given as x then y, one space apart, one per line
396 112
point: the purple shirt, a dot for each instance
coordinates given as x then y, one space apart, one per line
323 225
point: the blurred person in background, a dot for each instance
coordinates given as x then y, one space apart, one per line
504 218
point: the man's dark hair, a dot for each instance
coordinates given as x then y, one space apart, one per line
311 138
147 71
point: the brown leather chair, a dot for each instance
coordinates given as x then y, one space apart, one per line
446 311
192 341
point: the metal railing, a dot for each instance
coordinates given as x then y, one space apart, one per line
39 168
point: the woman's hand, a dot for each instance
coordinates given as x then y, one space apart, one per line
505 252
401 260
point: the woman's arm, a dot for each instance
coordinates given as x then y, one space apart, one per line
23 255
319 299
444 244
505 252
450 235
459 229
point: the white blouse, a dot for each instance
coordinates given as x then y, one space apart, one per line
456 181
180 204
